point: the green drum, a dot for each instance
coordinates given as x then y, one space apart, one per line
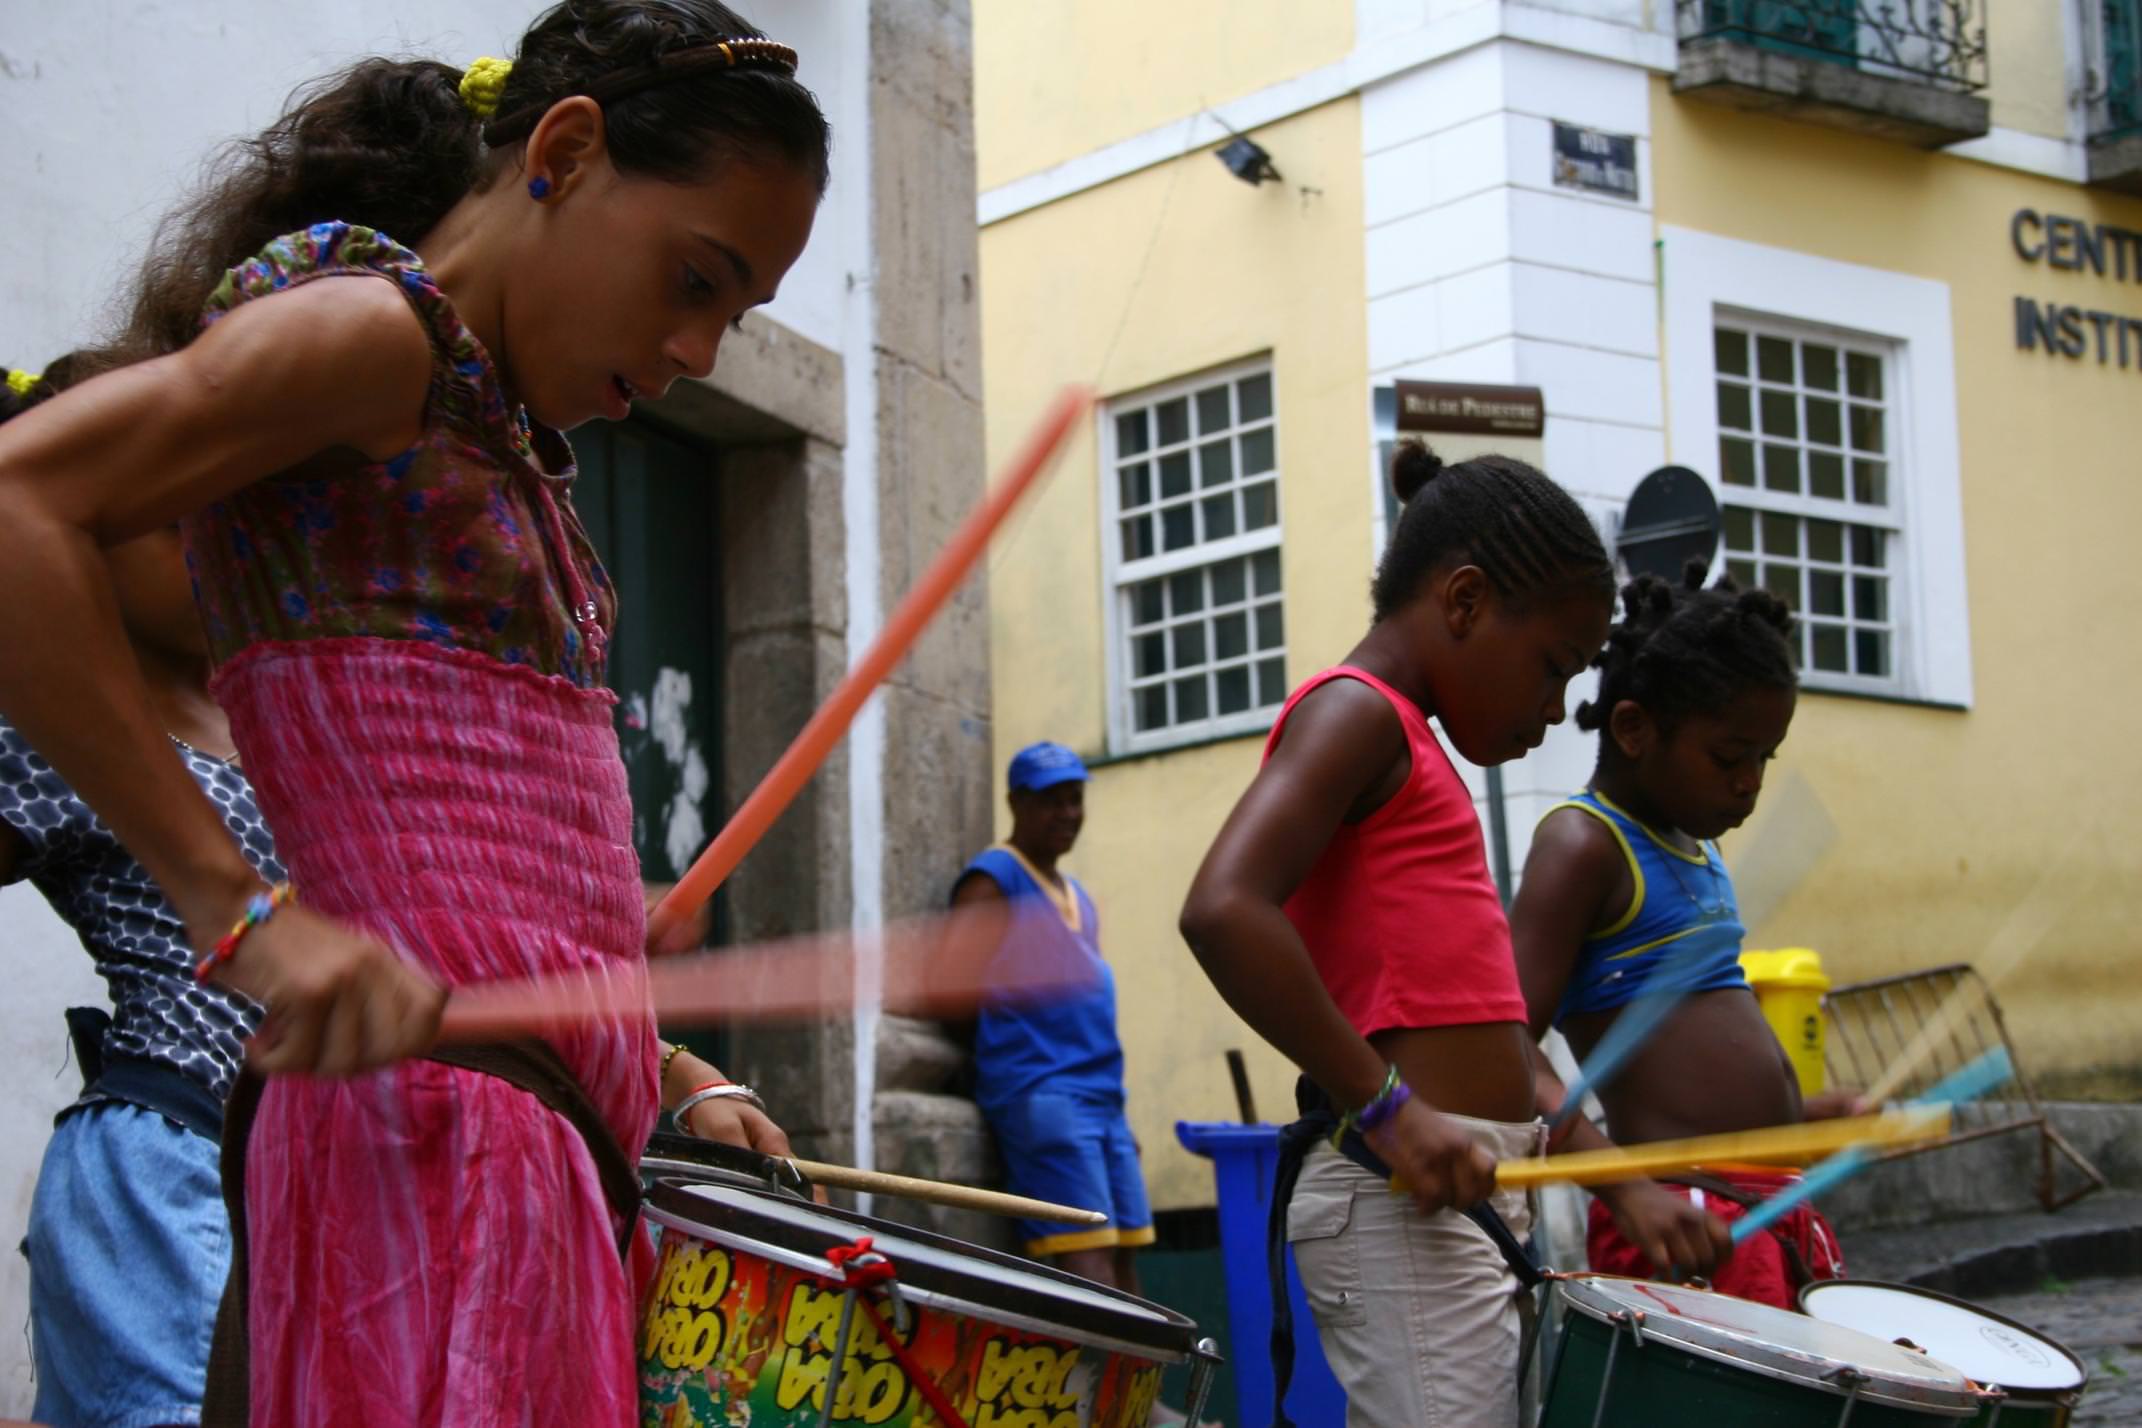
2027 1379
1643 1355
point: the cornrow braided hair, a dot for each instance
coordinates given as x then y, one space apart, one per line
1682 649
1524 532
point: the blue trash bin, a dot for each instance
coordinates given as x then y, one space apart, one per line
1244 1161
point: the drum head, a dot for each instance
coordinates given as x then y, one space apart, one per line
962 1278
1987 1347
1773 1342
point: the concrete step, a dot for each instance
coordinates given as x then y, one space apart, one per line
1988 1255
1994 1175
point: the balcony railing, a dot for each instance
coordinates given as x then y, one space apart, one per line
2117 91
1941 43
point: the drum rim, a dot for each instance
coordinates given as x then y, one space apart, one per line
2038 1335
690 1154
1960 1402
670 1203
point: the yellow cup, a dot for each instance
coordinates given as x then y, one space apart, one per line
1789 984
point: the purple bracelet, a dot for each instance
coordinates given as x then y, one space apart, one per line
1376 1113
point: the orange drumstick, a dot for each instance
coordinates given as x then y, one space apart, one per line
826 728
938 966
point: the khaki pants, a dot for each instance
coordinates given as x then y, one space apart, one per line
1418 1315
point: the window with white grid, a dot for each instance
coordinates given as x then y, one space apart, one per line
1191 503
1806 463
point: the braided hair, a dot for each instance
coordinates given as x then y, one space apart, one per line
1523 531
1682 649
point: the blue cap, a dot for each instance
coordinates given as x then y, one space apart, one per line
1044 765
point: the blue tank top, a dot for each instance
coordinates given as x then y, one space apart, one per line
1681 929
1066 1042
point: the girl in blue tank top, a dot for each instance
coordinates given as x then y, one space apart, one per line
1681 926
1625 894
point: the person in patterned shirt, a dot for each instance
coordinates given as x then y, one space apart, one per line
128 1241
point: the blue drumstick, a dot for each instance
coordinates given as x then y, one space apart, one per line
1664 990
1975 1080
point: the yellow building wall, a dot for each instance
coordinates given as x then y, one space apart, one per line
1055 80
1157 276
1950 822
2027 65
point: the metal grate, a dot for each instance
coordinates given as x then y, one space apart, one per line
1937 42
1872 1023
2118 82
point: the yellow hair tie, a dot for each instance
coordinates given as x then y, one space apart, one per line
482 83
20 382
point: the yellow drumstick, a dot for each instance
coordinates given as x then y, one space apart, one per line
1776 1145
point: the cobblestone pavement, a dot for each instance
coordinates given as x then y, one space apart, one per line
2101 1321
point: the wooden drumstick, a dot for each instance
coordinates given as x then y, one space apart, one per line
934 966
939 1192
827 727
1774 1145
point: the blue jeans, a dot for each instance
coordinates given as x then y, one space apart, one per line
129 1246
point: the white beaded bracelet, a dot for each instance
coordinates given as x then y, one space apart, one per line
713 1093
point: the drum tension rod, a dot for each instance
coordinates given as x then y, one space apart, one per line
1606 1380
1852 1380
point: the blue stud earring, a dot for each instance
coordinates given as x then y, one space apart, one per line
539 188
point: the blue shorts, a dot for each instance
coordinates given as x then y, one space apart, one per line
129 1246
1073 1150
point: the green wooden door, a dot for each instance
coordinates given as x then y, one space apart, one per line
648 502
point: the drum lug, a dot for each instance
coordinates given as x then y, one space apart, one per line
1852 1381
900 1316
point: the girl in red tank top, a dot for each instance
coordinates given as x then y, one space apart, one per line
1346 913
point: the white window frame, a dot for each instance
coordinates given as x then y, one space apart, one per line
1892 517
1117 575
1711 280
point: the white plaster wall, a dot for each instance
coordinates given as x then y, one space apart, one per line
1479 269
110 106
47 972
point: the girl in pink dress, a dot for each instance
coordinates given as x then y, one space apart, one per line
402 292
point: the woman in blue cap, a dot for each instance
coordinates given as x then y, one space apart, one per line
1049 1073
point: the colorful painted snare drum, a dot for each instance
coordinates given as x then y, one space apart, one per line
744 1322
1664 1356
2029 1380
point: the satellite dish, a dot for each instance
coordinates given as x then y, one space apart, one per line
1672 518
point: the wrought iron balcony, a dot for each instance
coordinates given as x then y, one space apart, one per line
1909 70
2115 93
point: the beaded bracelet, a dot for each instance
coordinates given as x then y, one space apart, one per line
669 1054
1378 1112
258 909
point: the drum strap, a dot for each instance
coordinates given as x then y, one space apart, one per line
529 1064
1319 1121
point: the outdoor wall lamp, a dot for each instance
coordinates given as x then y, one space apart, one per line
1247 161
